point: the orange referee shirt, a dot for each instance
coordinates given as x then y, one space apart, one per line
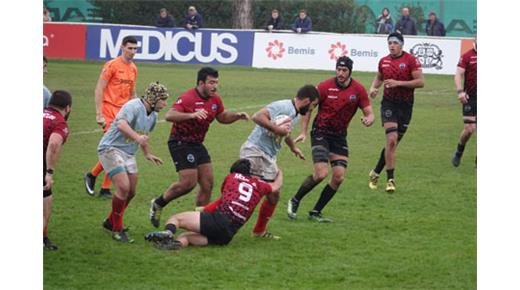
120 79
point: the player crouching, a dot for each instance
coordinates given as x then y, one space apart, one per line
222 219
118 147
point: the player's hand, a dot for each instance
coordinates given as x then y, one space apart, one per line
48 182
463 97
154 159
100 120
368 120
373 92
391 83
298 153
282 129
300 138
142 140
200 115
243 116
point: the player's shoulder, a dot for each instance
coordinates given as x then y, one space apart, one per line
328 83
357 85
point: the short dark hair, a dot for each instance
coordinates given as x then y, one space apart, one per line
60 99
242 166
204 72
308 91
45 59
129 39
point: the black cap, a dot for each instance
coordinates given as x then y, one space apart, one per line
396 35
345 61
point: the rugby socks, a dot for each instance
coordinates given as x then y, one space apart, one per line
171 227
460 149
381 162
326 195
107 182
307 185
160 201
97 169
389 174
266 212
116 215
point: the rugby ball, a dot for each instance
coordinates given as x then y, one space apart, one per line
278 121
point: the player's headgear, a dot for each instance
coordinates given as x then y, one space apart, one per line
242 166
346 62
396 36
154 93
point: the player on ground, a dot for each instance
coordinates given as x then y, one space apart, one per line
191 116
401 74
55 133
117 149
221 219
340 97
467 69
115 87
264 143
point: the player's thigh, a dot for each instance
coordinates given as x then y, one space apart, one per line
205 174
121 181
339 164
188 177
391 130
189 220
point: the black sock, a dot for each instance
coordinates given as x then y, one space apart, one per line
326 195
171 227
460 149
160 201
381 162
307 185
390 174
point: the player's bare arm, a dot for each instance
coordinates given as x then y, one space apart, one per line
294 149
376 83
461 94
227 117
51 156
303 128
98 94
175 116
368 116
263 119
416 82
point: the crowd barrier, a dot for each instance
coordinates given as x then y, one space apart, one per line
250 48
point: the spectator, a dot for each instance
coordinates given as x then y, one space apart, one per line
165 19
434 27
303 23
193 20
406 25
384 23
46 14
275 22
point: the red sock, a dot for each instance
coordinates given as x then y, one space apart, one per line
44 231
107 182
97 169
266 212
118 209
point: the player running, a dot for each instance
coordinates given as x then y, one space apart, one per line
118 147
340 97
115 87
220 220
401 74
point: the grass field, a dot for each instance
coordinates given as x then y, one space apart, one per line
422 237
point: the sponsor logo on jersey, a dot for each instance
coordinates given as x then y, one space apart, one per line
353 98
214 107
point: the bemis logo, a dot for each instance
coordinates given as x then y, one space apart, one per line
275 49
183 46
337 50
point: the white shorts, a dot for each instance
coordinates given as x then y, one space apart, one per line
262 165
115 161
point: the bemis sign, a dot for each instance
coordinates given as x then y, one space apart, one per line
315 51
173 45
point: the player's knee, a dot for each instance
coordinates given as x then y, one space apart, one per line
123 188
337 179
188 184
321 174
470 128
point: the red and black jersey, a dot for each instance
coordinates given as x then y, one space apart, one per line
195 130
468 61
53 122
338 105
240 195
399 68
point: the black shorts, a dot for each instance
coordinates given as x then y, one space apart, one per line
324 144
218 228
470 108
187 155
45 192
397 112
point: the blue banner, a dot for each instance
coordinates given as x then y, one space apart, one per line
174 45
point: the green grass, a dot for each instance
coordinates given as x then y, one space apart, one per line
422 237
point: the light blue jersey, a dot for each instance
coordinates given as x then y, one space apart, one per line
46 96
134 113
263 138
